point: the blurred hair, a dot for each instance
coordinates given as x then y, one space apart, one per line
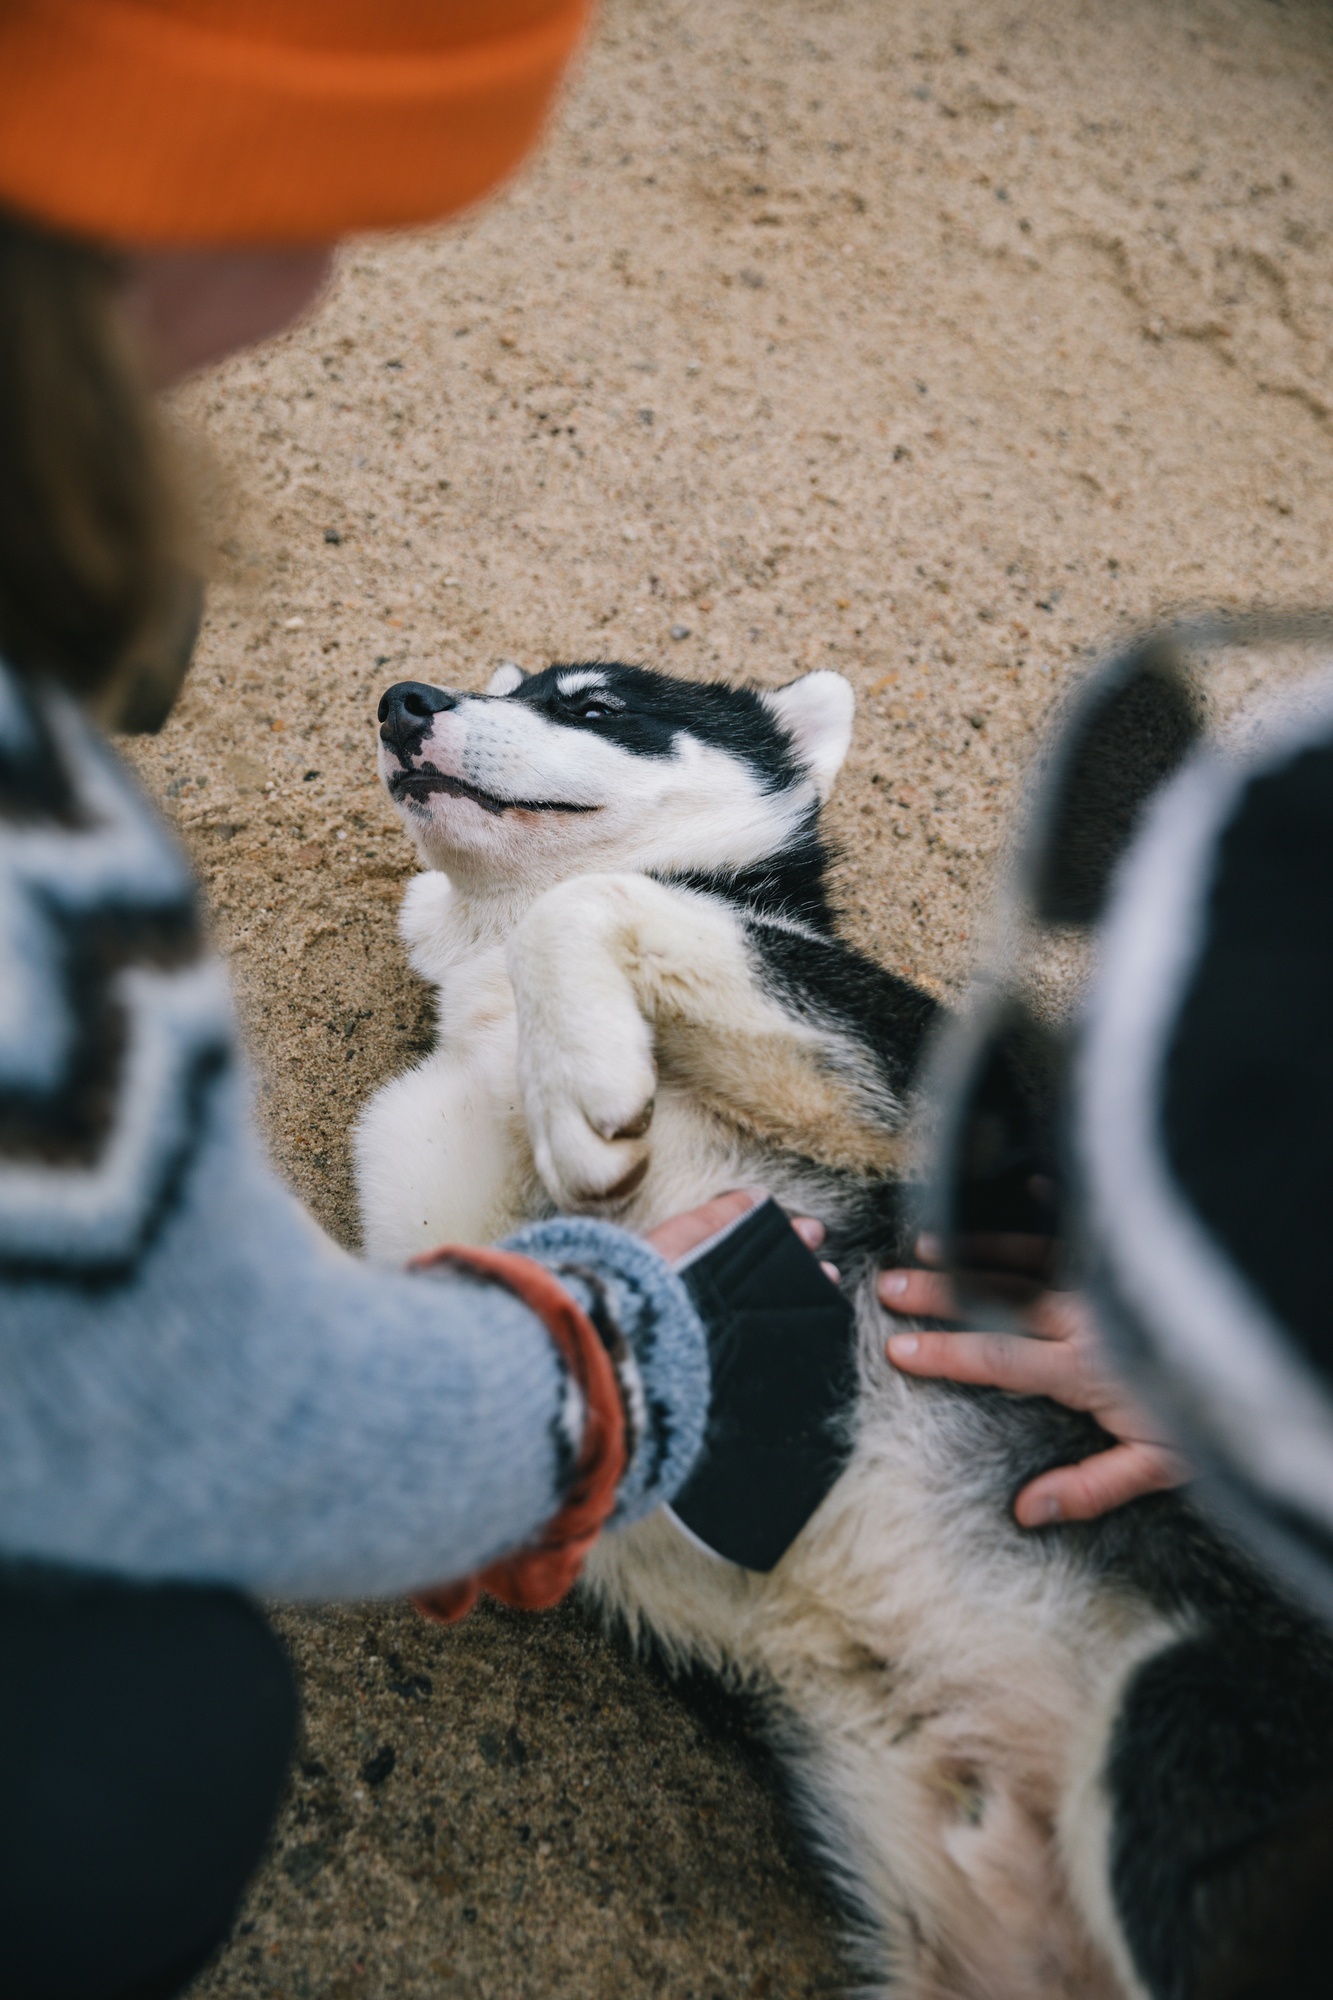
92 594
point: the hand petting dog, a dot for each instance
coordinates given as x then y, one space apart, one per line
1058 1356
683 1233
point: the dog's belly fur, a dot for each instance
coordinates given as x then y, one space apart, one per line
962 1707
930 1674
939 1698
940 1685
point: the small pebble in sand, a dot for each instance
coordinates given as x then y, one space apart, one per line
680 631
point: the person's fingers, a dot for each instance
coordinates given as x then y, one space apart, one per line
918 1294
995 1360
1108 1479
680 1234
812 1233
1052 1316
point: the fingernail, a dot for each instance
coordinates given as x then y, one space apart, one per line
902 1346
810 1231
893 1284
832 1273
1049 1509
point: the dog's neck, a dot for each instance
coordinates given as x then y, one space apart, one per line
790 886
482 915
484 910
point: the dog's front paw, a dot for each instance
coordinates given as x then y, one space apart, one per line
586 1062
589 1126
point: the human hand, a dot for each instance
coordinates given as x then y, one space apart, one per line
1060 1357
682 1233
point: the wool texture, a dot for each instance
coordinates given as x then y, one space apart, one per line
667 1344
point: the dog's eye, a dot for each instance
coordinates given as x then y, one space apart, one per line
591 711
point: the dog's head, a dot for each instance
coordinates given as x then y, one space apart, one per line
581 768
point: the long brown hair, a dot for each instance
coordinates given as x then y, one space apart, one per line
91 589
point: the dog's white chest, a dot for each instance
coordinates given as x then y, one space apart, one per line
442 1152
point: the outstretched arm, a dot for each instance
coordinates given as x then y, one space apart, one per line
1059 1356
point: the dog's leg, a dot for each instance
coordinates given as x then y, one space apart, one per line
616 974
1219 1784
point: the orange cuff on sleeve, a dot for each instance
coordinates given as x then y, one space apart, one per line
535 1578
206 122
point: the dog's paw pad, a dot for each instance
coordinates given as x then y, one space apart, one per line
582 1165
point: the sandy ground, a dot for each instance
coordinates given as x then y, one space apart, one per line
930 343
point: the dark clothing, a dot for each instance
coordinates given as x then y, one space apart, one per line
145 1734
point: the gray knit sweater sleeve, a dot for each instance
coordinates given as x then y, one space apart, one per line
194 1382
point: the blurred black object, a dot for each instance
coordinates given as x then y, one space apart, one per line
1177 1165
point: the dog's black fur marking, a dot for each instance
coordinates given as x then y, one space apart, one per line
790 886
1222 1841
828 981
645 714
1221 1765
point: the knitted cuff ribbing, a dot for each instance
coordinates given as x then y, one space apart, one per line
668 1403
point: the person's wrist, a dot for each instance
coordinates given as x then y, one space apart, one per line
536 1577
651 1308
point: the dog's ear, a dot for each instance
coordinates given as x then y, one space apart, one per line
816 712
506 678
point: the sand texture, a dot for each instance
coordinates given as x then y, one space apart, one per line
935 344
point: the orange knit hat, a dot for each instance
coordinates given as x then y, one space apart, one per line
268 121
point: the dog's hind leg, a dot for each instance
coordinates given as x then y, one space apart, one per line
1219 1781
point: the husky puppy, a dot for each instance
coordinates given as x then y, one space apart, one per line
1088 1762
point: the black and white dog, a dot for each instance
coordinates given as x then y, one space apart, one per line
1089 1762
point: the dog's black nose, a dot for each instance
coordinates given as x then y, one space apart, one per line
406 710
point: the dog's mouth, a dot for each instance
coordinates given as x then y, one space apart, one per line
419 784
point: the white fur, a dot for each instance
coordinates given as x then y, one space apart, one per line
507 676
816 711
937 1673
